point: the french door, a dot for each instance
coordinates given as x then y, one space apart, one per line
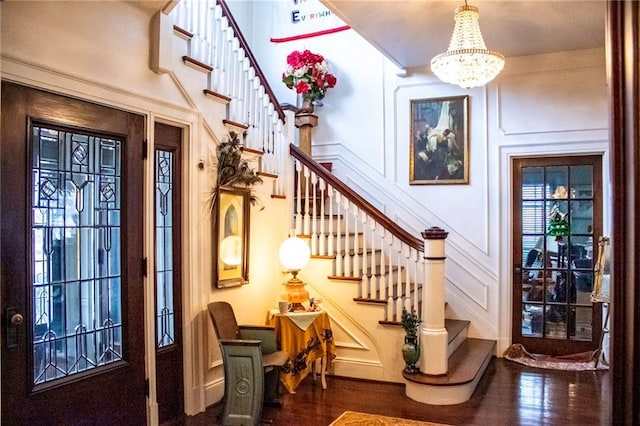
71 251
557 219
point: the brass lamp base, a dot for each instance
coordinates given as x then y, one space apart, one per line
295 293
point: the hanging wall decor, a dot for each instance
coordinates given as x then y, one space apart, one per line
231 236
439 145
230 201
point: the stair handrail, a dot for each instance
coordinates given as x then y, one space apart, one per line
215 45
391 226
226 12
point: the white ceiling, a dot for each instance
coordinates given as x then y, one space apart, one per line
411 32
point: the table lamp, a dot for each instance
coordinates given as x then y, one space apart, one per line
294 255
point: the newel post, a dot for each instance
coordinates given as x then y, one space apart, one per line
434 338
305 122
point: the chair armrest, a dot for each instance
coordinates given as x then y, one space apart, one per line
257 327
238 342
264 333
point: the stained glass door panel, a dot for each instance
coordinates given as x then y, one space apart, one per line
169 379
71 256
75 225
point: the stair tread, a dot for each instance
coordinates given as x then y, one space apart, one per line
455 327
464 364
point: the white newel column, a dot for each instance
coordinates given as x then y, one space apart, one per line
433 334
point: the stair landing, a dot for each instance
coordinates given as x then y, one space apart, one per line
466 366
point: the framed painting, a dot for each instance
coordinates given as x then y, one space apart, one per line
439 141
231 236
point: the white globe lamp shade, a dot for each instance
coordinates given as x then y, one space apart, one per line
294 253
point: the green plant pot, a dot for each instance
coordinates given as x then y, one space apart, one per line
411 353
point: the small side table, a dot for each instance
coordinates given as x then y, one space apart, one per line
306 337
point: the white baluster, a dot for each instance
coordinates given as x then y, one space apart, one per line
298 212
398 304
415 258
224 52
347 239
365 283
373 265
314 215
338 236
217 51
407 276
331 250
399 267
356 243
305 188
384 283
322 236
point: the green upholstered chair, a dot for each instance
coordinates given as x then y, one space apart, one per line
244 349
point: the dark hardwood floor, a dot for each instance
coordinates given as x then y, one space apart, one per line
508 394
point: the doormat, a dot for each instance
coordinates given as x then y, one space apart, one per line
583 361
353 418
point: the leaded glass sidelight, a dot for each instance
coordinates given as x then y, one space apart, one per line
76 257
165 321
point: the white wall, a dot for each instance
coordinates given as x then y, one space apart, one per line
543 105
99 51
539 105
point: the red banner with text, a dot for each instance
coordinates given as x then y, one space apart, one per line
304 19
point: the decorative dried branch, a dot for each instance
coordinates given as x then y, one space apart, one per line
231 169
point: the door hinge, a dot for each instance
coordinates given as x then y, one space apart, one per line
145 146
144 266
146 387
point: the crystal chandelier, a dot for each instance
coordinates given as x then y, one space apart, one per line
467 63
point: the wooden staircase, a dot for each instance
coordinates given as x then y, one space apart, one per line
385 263
356 259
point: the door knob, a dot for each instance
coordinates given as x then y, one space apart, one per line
17 319
14 321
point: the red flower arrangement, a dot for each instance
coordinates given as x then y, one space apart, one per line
309 74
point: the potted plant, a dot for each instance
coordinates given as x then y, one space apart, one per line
410 349
308 73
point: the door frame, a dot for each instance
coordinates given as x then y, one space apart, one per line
561 346
193 268
597 144
177 202
35 106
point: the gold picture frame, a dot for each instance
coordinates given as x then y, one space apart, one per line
439 141
231 237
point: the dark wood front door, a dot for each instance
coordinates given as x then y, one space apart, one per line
557 219
168 294
70 251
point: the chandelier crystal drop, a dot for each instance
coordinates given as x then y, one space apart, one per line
467 63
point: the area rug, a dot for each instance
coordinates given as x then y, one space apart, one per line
583 361
353 418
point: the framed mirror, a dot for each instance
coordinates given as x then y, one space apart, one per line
231 237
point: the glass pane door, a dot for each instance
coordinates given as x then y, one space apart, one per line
556 217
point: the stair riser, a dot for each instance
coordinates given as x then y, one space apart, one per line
328 224
389 277
457 341
339 243
368 261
